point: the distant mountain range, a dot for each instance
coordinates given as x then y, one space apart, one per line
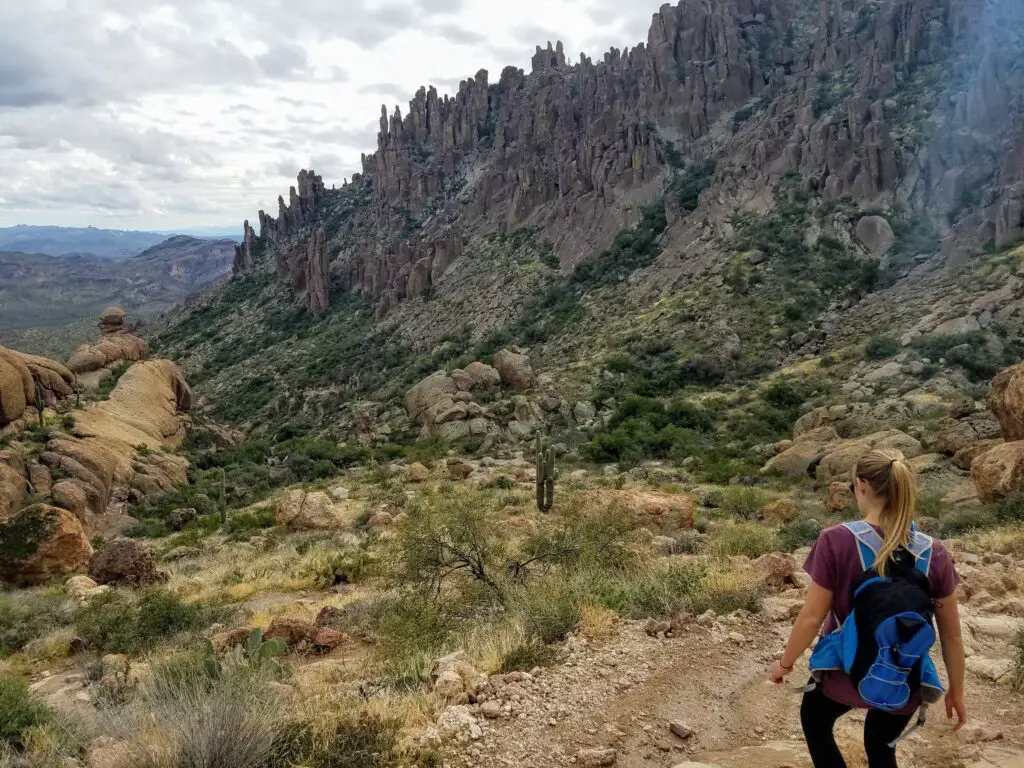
103 243
39 291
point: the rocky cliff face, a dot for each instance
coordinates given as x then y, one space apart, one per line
756 183
828 90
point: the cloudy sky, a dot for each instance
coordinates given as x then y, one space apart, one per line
145 114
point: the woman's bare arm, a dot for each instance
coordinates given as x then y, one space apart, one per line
947 616
812 615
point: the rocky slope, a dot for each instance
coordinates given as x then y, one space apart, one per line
47 291
758 184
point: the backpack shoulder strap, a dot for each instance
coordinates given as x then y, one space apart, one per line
921 546
869 543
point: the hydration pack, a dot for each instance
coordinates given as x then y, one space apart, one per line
885 642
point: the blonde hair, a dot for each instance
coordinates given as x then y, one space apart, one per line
887 473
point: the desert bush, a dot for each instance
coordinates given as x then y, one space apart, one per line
29 614
529 656
881 347
189 718
749 539
724 592
351 740
20 712
966 520
122 623
1010 509
742 502
798 533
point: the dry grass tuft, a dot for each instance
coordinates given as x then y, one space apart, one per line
597 622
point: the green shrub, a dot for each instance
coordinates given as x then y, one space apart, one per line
360 740
529 656
121 623
749 539
1010 509
742 502
798 533
19 711
26 615
724 597
881 347
965 520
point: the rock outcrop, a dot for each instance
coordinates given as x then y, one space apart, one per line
245 253
1007 402
999 471
117 346
41 542
305 268
21 375
125 563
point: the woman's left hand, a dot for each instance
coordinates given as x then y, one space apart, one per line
778 673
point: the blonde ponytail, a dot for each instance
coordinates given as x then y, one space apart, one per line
887 473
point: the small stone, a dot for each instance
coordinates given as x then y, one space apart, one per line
737 638
680 729
491 710
595 758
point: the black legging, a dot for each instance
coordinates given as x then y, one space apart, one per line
818 715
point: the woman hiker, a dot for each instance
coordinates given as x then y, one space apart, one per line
876 585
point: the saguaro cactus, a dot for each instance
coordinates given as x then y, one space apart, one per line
223 497
39 404
545 475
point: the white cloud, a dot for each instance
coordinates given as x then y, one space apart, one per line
159 114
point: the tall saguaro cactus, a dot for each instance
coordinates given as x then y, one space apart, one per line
545 475
223 502
39 404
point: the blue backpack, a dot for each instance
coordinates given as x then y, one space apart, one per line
885 642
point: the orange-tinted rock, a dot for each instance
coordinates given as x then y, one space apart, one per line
43 542
999 471
291 630
1007 401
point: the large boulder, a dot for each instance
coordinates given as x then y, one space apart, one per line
795 459
876 234
116 346
514 368
435 391
300 510
964 458
12 485
124 562
999 471
483 375
841 459
16 386
956 434
39 543
1007 401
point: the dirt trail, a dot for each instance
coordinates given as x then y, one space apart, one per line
623 693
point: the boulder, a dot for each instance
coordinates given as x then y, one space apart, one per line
40 478
955 435
796 458
291 630
514 368
1007 401
999 471
181 518
839 497
70 495
230 638
79 587
125 562
964 458
428 393
876 234
329 639
776 570
459 469
12 489
300 510
417 473
483 375
841 458
41 542
779 511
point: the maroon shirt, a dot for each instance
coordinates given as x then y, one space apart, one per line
834 563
